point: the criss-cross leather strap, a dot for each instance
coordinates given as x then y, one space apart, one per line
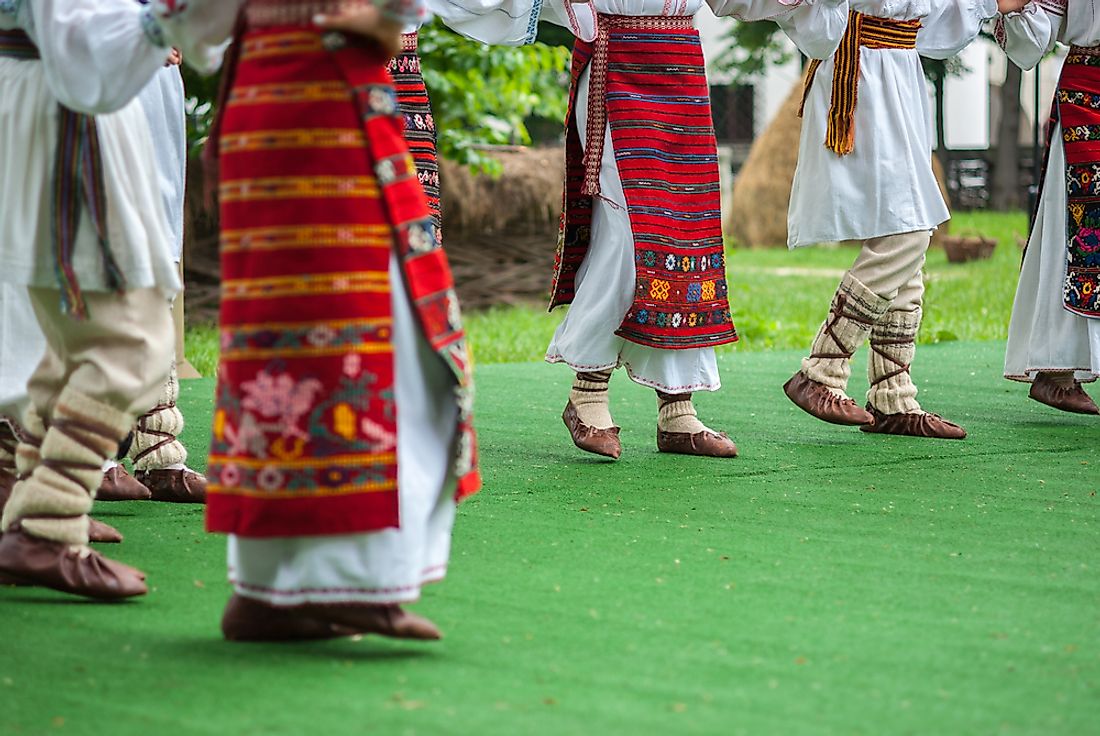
78 431
167 438
7 444
877 346
838 312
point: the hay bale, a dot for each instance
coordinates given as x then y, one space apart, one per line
762 192
525 199
500 232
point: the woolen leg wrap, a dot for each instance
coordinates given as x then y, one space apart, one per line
156 437
854 309
54 501
893 345
28 451
590 397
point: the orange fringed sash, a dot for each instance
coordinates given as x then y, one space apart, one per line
863 30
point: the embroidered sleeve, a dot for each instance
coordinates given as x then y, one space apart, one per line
816 27
952 25
501 22
94 55
199 28
1030 34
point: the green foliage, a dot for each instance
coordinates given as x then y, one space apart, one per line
201 94
487 94
752 48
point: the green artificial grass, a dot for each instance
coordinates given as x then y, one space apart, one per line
826 582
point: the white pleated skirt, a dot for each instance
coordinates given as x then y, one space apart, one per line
138 229
1043 335
586 340
388 566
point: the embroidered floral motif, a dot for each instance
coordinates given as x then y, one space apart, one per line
659 290
282 400
1079 113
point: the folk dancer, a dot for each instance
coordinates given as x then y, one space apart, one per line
341 435
1054 335
865 174
640 257
84 232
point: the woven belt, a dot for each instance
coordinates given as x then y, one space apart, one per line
1082 50
597 84
863 31
265 13
17 45
78 183
409 42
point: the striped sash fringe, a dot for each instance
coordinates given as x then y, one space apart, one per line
78 180
863 31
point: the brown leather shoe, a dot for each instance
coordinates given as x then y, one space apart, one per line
103 533
118 485
914 425
597 441
706 444
174 486
48 564
1074 400
816 399
246 619
392 621
8 580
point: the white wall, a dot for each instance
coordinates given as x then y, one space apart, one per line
967 100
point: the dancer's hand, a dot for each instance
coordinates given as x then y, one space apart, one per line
1010 6
175 58
366 21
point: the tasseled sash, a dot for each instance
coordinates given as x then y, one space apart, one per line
863 30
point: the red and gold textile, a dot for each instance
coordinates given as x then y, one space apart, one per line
648 82
317 192
1077 108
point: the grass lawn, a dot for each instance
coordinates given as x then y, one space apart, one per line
778 298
